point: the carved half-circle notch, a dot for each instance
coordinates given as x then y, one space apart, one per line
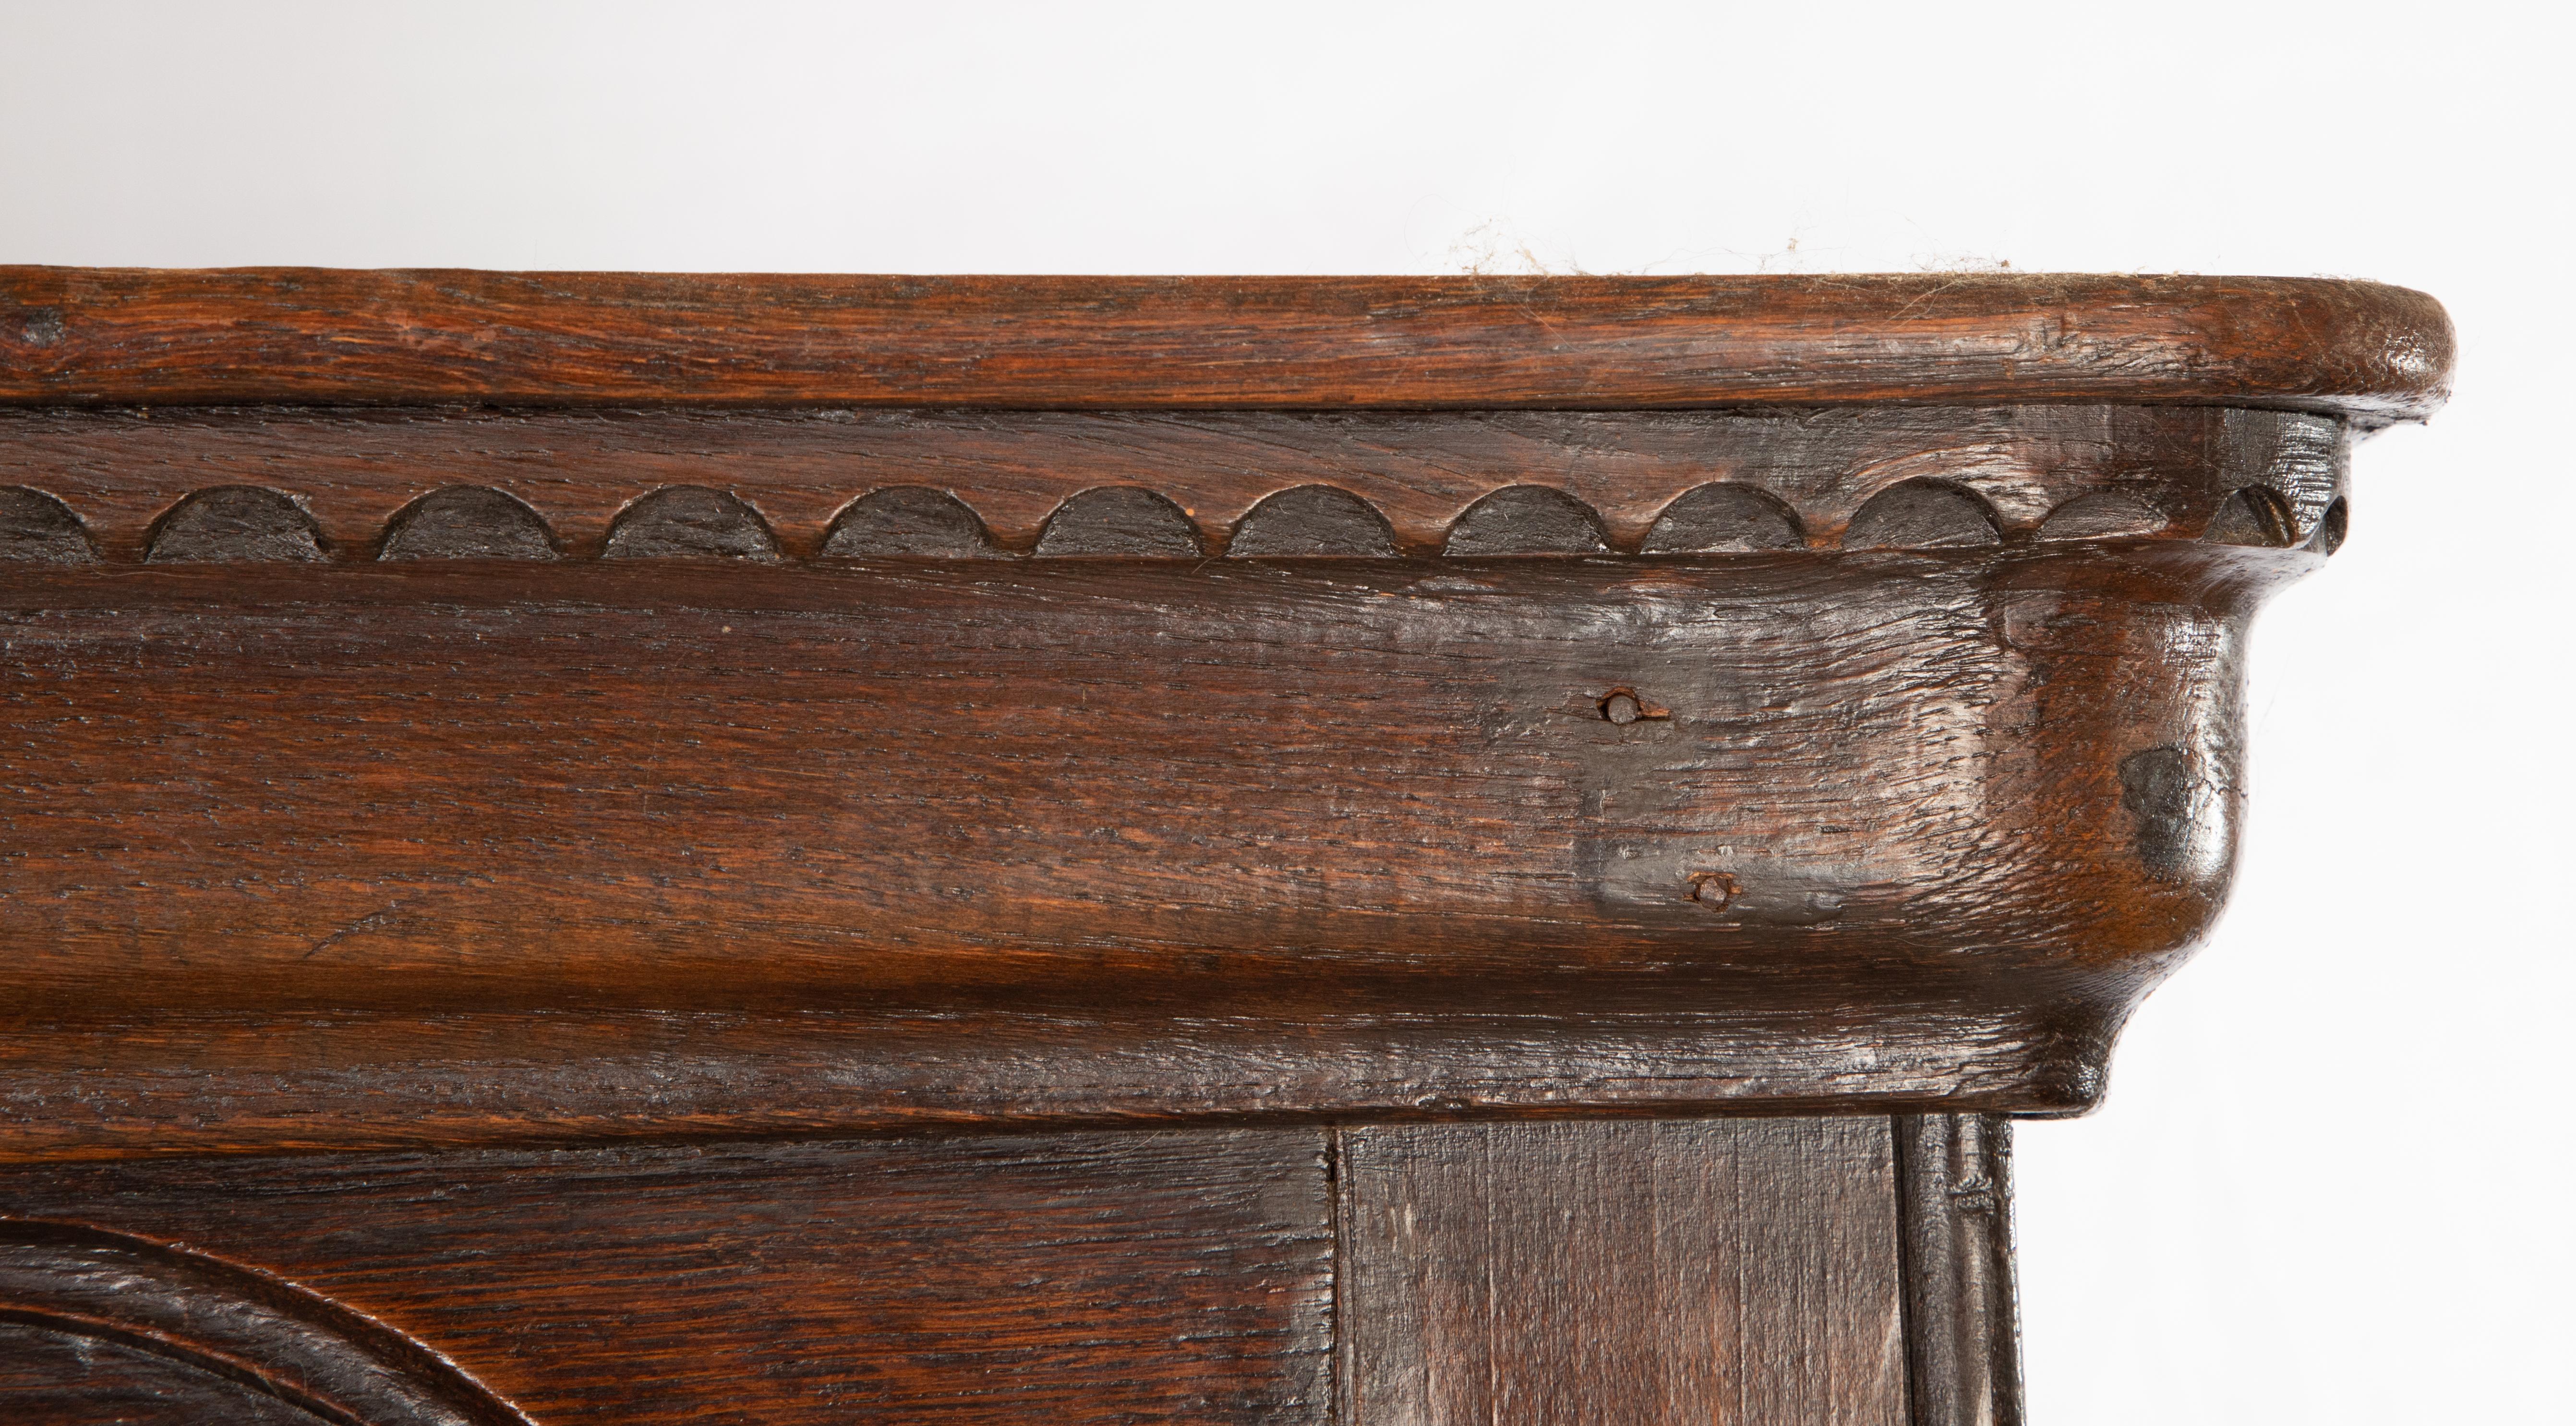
36 528
2332 527
1312 522
468 522
234 523
908 522
267 1335
2255 515
690 522
1527 520
1723 517
1923 514
1119 522
2102 515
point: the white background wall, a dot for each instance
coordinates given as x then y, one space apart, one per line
2332 1183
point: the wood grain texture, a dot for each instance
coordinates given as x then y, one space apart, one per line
178 1082
916 787
1624 1274
216 1333
1141 811
352 473
1091 1278
55 1377
1963 1336
1271 836
578 748
36 528
87 336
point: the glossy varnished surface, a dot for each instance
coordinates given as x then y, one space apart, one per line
100 1323
1628 1272
1076 1279
709 811
1074 839
75 336
664 770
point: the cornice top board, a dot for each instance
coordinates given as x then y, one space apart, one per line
455 709
71 336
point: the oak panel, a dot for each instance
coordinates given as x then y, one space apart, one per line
1089 1278
1622 1274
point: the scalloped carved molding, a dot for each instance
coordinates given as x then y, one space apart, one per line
247 524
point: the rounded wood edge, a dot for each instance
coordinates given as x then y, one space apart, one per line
133 336
384 1083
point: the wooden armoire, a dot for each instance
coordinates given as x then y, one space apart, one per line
1379 851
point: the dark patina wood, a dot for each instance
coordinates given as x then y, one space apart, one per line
86 336
1201 763
503 766
1728 1270
1954 1202
1101 1277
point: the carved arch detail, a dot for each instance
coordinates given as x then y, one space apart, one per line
258 1332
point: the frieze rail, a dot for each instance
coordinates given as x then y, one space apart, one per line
245 523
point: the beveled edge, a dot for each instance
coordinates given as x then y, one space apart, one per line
69 336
